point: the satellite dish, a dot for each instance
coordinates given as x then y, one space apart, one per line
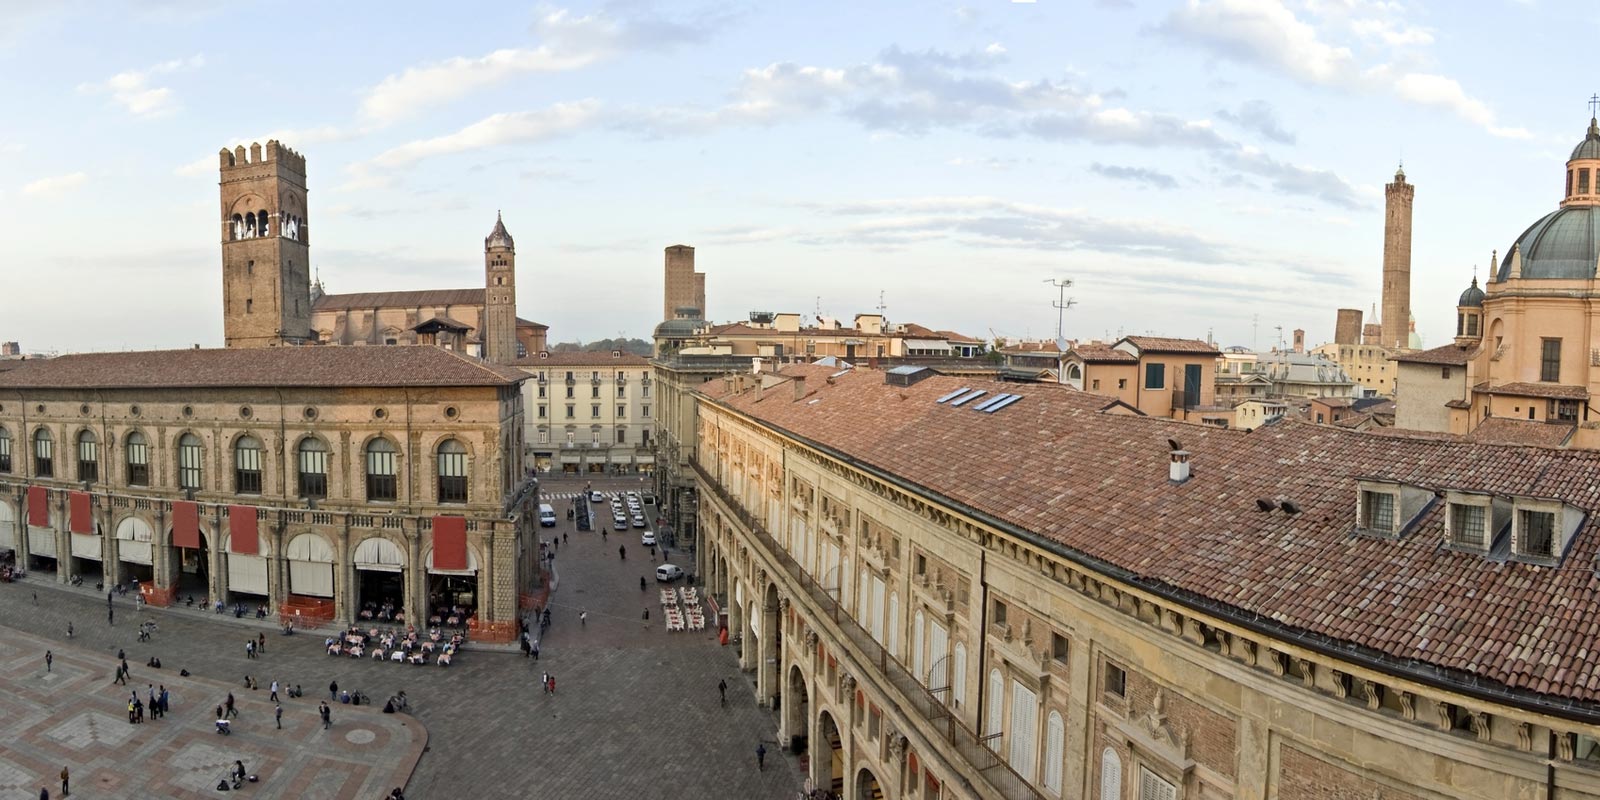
1289 507
1173 443
1265 504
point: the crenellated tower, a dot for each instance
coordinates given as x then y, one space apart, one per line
266 247
499 332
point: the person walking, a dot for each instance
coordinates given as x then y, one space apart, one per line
544 683
622 552
583 618
564 539
327 715
69 630
155 704
761 756
722 687
250 648
261 643
274 696
48 660
232 712
536 650
641 583
36 597
121 678
277 714
163 689
333 690
126 673
552 684
65 792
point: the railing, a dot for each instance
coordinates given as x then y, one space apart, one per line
1004 781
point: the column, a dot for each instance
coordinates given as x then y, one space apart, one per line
215 584
63 533
411 581
19 502
489 594
344 599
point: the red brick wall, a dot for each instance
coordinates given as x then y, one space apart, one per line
1212 736
1302 776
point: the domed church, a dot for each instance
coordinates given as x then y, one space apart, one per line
1526 355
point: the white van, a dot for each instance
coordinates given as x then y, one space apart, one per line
547 515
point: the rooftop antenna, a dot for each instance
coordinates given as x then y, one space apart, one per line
1279 329
1061 304
1255 332
882 308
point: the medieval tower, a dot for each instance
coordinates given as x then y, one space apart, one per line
499 296
266 251
685 295
1396 317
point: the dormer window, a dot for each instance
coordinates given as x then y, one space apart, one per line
1388 509
1536 533
1541 528
1468 526
1377 510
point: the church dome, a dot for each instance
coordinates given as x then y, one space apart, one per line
1590 146
1564 244
498 237
1472 297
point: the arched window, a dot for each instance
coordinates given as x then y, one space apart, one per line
191 457
138 457
1074 373
1110 775
993 711
1055 736
237 231
313 467
452 472
381 471
247 465
249 226
5 450
88 457
958 675
261 223
44 454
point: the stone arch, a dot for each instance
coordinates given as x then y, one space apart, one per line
828 771
867 785
330 474
136 539
368 547
311 558
797 706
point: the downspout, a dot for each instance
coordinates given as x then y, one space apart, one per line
1550 769
983 633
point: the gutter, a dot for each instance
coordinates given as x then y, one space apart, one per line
1483 689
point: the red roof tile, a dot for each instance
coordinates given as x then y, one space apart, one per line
1097 353
1504 430
1450 355
1162 344
1555 391
370 365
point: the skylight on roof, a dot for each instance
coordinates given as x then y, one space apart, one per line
953 395
969 397
845 371
1002 404
991 401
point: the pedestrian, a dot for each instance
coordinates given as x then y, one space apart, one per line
527 645
64 775
583 618
327 716
121 656
274 696
333 690
121 678
622 552
552 683
69 630
722 686
219 713
536 650
110 616
44 794
164 699
647 612
155 707
36 598
544 682
48 660
250 648
761 756
232 712
641 583
261 643
126 673
564 538
277 713
602 534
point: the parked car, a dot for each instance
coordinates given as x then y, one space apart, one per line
638 521
648 539
596 497
666 573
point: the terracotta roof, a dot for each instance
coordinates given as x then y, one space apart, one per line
1505 430
1553 391
1449 355
1458 404
1097 353
1162 344
958 337
1478 618
411 299
1031 348
371 365
442 321
528 323
588 359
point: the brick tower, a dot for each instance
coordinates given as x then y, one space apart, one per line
266 250
1396 318
685 289
499 295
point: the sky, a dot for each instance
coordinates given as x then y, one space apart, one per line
1195 167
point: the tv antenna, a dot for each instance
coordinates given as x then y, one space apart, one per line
1061 304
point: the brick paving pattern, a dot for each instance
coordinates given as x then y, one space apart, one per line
635 712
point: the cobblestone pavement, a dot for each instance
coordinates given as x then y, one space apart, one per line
635 713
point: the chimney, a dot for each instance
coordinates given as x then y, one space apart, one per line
1299 340
755 366
799 386
1179 471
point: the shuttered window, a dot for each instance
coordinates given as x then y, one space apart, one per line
1055 735
894 625
917 624
1110 775
1024 730
938 665
958 675
5 450
1154 787
991 725
877 608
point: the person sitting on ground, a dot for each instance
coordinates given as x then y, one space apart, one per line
183 673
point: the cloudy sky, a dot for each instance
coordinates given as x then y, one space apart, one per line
1193 165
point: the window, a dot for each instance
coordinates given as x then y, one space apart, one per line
1583 181
541 391
138 460
1550 360
644 411
594 392
644 388
1024 729
1467 525
1096 383
191 457
1116 680
5 450
569 393
1444 373
622 411
313 468
1122 383
594 411
999 612
1564 410
1538 533
541 411
1110 775
569 410
381 471
44 450
452 472
247 466
1155 376
1058 647
88 457
991 727
622 392
1155 787
1377 511
622 436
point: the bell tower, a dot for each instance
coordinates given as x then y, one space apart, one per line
499 329
266 250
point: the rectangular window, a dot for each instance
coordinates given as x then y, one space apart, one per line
1550 361
1444 373
1154 787
88 460
622 436
1058 647
541 391
569 393
5 451
1095 384
1122 383
541 411
570 407
622 392
1538 532
1377 511
44 456
1583 181
190 458
644 389
999 613
381 481
1155 376
1116 681
247 470
594 411
1564 410
138 462
452 477
594 393
622 411
644 411
1467 525
313 473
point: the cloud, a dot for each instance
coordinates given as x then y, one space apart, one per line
55 184
1266 33
568 43
519 127
133 91
1258 116
1150 177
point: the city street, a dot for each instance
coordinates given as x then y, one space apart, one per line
635 713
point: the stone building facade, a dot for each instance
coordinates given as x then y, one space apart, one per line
1082 611
589 412
314 480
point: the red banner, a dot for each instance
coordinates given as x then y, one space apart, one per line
38 507
449 542
79 516
185 524
243 531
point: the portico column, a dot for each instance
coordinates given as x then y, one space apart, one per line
19 501
110 548
415 574
215 584
63 534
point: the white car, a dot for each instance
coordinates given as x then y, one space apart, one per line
596 497
638 521
648 539
666 573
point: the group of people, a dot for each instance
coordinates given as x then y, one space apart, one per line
158 704
395 645
384 612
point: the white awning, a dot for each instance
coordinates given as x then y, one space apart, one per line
644 459
378 553
570 458
133 541
85 546
41 541
311 578
8 527
472 565
310 547
247 573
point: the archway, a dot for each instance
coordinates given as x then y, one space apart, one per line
247 575
771 642
134 555
797 711
452 593
310 569
8 527
829 770
88 555
193 571
380 579
867 787
41 547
